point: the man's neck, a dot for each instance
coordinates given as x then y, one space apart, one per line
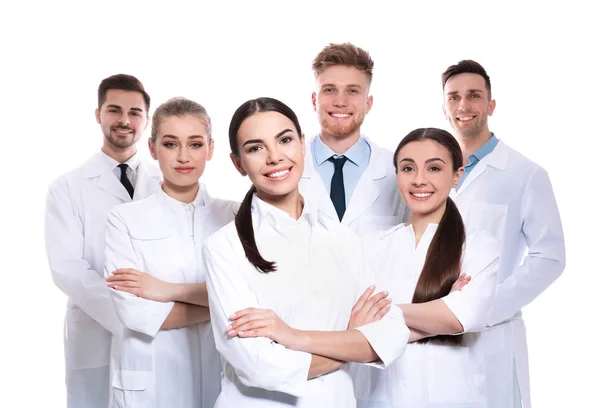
470 145
339 144
120 155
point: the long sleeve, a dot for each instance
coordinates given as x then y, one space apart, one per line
136 313
73 275
473 304
545 260
388 336
258 362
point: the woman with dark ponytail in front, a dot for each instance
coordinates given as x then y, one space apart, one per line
441 276
289 289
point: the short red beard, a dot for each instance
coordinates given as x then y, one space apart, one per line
340 131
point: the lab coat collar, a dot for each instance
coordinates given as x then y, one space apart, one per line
366 189
147 179
200 200
100 163
99 168
497 158
263 212
429 230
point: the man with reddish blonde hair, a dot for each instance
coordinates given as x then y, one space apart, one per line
346 174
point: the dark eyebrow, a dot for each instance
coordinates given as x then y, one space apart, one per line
118 107
469 91
408 159
278 135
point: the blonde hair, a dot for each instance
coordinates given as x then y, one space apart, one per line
344 54
179 106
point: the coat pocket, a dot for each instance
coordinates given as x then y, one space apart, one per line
131 380
370 384
488 217
451 375
132 361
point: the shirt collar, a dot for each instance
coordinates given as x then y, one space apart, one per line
484 150
277 219
199 200
133 161
359 153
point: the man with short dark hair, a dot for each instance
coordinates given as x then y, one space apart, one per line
76 210
510 196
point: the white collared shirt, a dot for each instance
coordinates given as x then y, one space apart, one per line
132 164
320 274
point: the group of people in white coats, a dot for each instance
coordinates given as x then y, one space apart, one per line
348 275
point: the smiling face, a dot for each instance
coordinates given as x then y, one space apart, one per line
182 148
467 105
425 177
271 153
123 118
342 100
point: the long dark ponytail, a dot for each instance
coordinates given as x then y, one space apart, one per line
443 261
243 219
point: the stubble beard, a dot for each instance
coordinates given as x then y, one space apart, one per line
120 144
472 131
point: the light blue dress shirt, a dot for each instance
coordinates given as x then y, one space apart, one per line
358 159
476 157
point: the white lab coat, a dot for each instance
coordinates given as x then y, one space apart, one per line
511 197
76 209
431 375
163 237
375 204
321 273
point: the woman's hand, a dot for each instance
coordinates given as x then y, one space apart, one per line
369 308
140 284
461 282
253 322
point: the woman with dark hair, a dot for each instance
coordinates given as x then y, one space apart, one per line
419 262
283 264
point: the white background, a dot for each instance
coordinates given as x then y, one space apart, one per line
53 55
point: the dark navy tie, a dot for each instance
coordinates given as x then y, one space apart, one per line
337 192
124 180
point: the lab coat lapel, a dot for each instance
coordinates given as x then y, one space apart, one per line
147 180
366 191
496 159
96 168
315 189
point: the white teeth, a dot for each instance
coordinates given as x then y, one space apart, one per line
422 195
340 115
466 118
278 173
